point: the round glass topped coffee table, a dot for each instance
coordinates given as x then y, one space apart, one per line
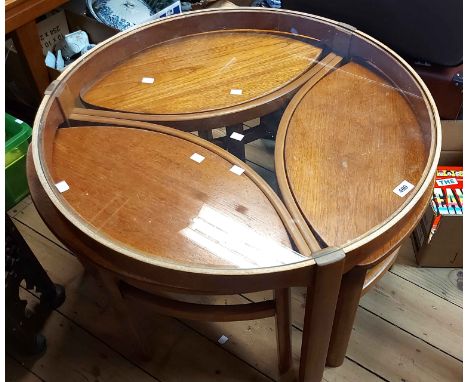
152 209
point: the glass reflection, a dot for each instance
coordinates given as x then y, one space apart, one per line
235 242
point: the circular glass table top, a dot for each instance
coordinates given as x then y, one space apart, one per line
355 154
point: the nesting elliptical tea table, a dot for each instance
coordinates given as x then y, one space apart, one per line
154 211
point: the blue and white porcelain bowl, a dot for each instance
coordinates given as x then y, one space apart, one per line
120 14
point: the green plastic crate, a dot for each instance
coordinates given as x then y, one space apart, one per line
17 137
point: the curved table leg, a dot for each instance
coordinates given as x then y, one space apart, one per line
348 301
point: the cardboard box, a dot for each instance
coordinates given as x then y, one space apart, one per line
97 32
51 31
452 143
438 238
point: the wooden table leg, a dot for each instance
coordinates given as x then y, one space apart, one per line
232 145
348 301
206 134
321 300
270 123
283 328
28 45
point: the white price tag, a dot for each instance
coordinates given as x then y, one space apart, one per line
62 186
403 188
237 170
147 80
236 91
237 136
223 339
197 158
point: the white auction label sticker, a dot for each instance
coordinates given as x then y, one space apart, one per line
18 121
237 136
197 158
62 186
403 188
147 80
446 182
237 170
223 339
236 91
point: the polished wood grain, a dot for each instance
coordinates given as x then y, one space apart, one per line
290 224
129 187
213 119
350 141
153 276
197 73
